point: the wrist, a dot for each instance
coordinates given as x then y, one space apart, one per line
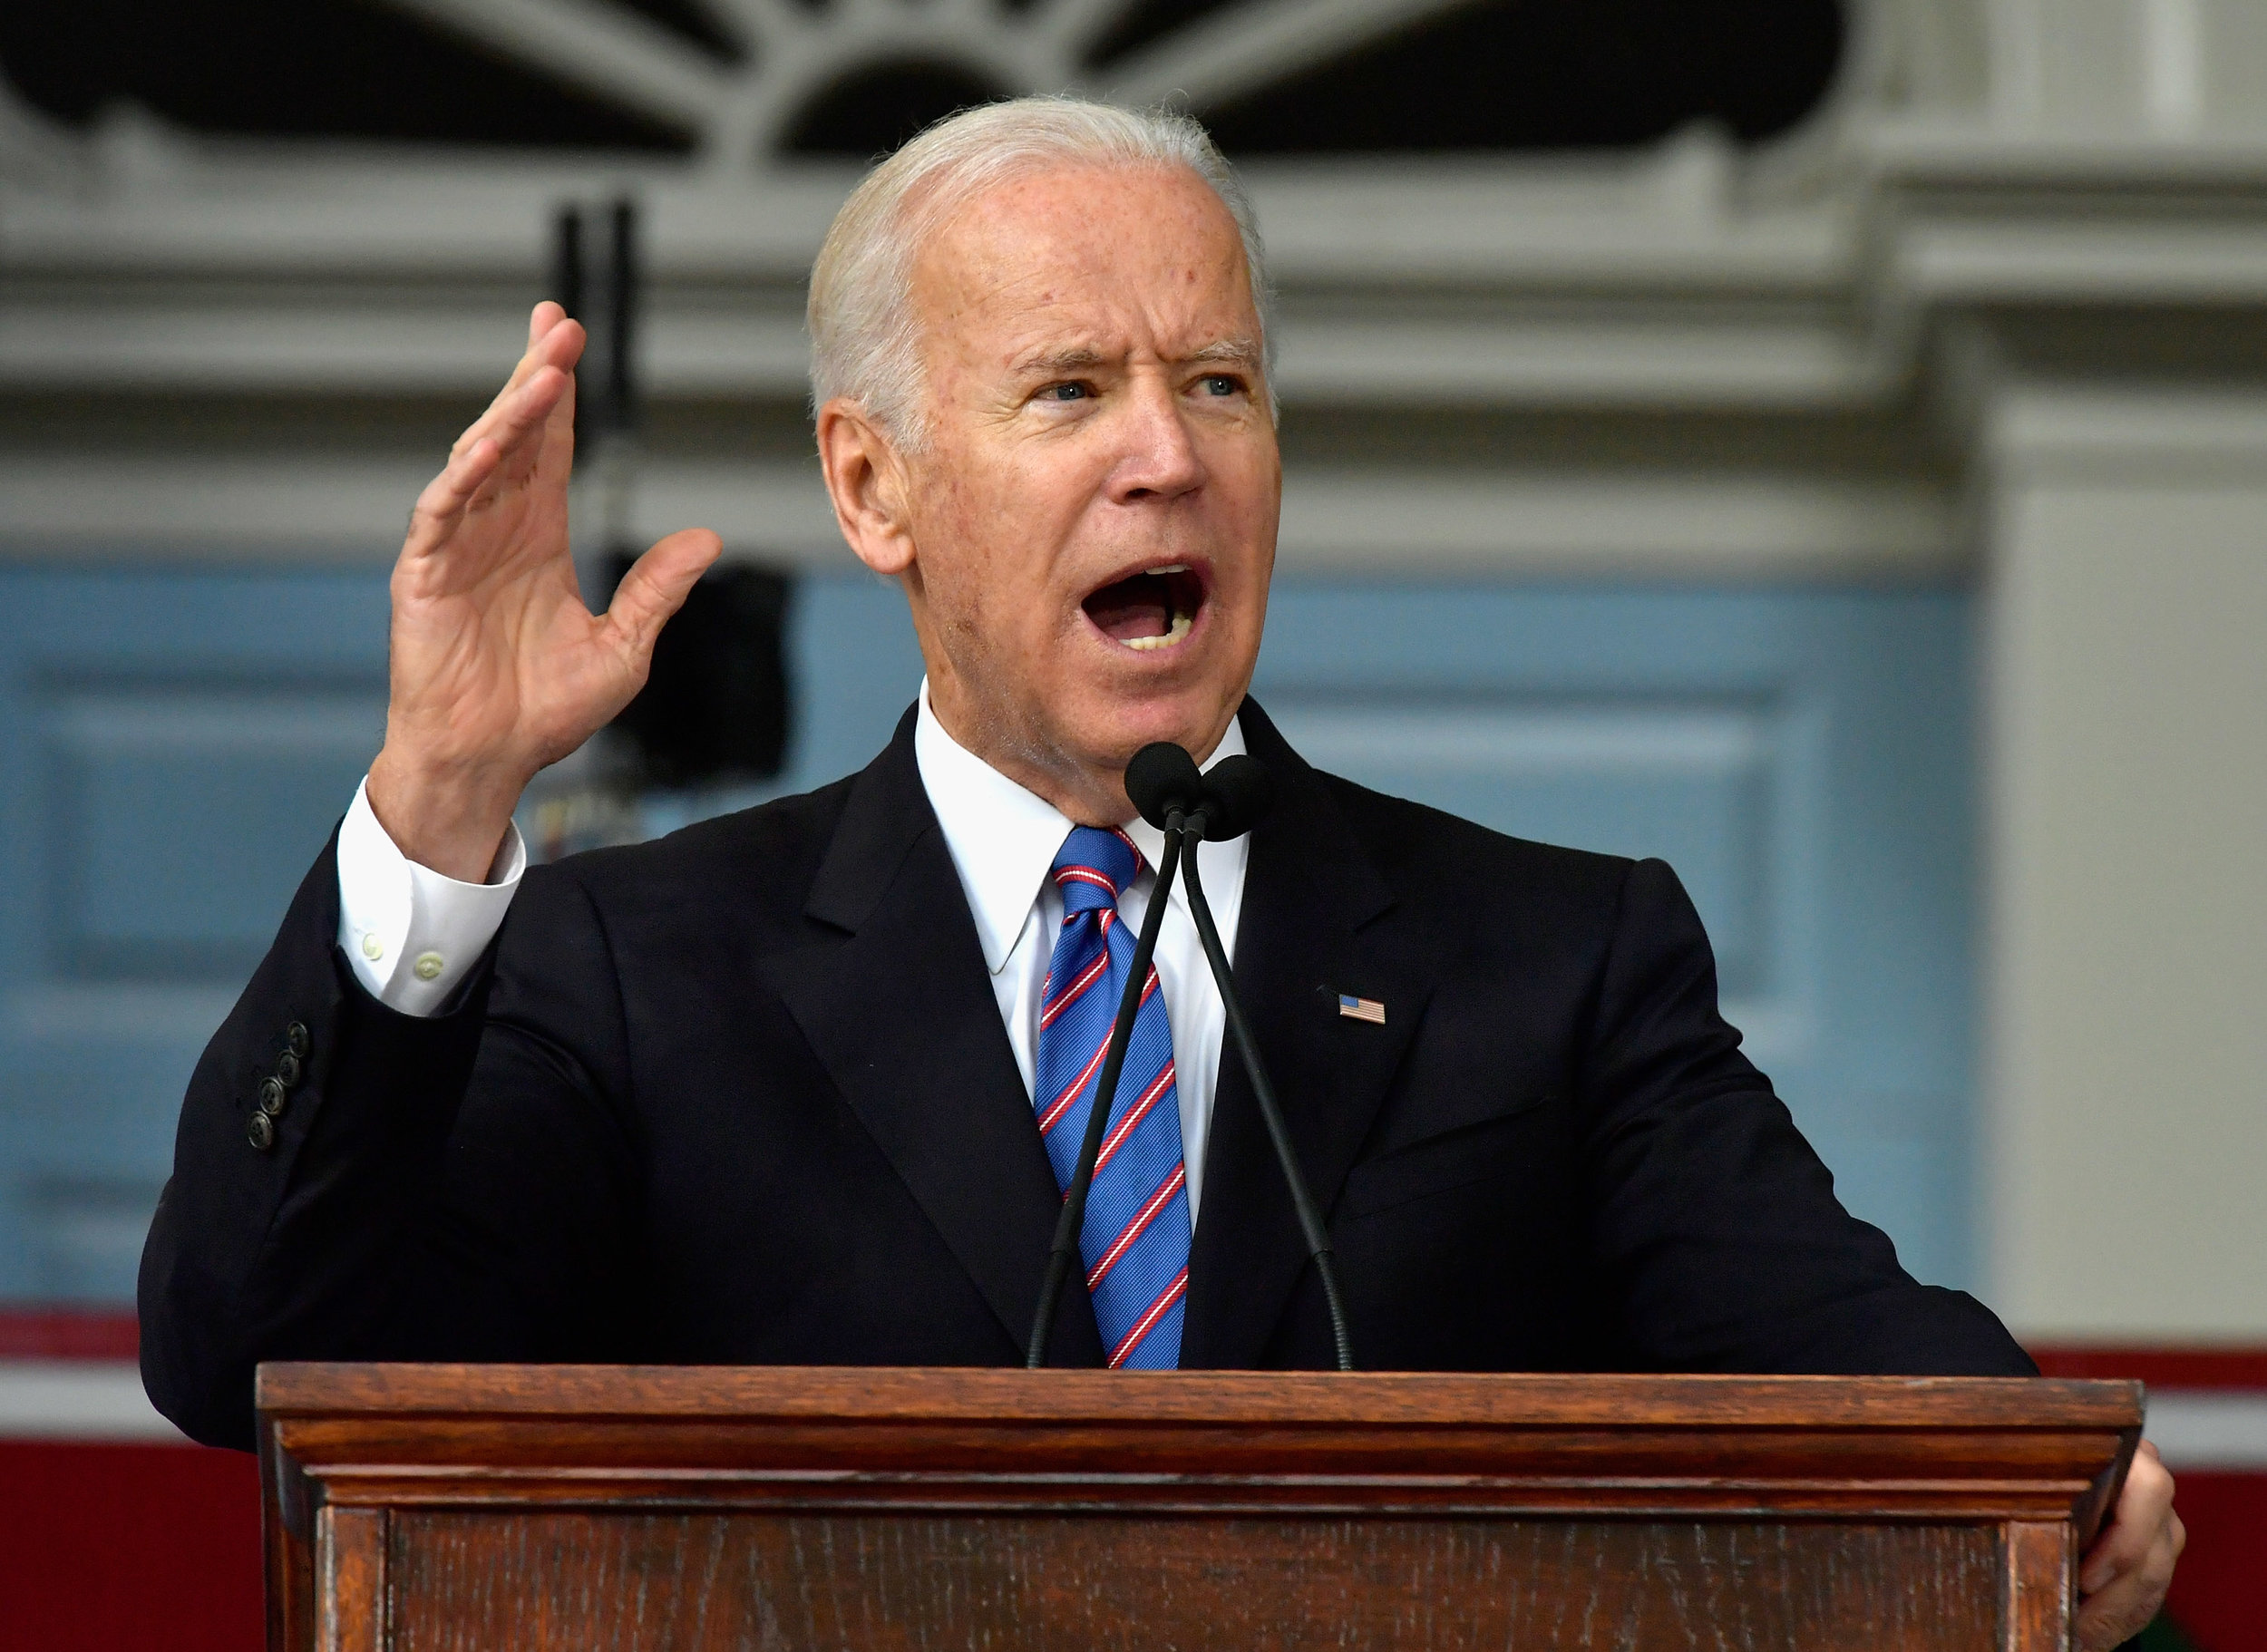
447 817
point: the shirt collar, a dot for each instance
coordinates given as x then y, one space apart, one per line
1004 838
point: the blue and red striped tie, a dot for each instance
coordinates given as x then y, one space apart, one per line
1136 1241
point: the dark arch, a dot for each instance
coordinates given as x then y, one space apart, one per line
1535 74
1494 74
872 111
311 69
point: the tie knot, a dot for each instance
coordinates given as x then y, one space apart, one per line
1094 867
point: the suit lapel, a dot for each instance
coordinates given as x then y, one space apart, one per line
897 1008
1309 930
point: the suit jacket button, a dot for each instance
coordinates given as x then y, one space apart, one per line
296 1041
261 1131
272 1097
287 1069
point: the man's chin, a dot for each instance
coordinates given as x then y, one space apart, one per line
1115 727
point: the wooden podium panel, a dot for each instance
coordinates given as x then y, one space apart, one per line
462 1507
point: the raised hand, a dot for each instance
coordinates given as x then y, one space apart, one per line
497 666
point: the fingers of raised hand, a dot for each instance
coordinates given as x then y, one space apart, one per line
524 412
656 587
509 435
446 495
554 342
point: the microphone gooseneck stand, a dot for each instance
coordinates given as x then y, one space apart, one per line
1073 1216
1164 784
1309 1218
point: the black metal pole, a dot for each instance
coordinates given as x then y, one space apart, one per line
622 321
567 287
1309 1218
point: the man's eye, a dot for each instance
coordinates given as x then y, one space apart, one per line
1221 385
1069 391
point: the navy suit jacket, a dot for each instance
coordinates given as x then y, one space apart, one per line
743 1095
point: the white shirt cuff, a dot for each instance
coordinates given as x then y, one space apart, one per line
410 933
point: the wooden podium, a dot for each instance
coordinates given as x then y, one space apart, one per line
532 1508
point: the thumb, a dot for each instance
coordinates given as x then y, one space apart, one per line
656 586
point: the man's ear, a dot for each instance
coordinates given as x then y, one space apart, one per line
866 479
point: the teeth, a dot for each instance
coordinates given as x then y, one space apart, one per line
1178 568
1179 629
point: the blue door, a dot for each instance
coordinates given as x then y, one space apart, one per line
174 747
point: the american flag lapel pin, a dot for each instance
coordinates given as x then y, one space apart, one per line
1361 1009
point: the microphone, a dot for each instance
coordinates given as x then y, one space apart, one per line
1237 795
1163 782
1172 795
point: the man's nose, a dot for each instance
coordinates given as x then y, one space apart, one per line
1157 459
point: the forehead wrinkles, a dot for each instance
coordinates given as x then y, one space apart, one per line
1047 260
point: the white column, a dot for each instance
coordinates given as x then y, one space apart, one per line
2097 69
2126 716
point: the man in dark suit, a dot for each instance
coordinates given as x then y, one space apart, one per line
796 1086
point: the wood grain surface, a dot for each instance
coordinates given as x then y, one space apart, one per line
399 1435
674 1583
538 1507
2035 1609
352 1561
912 1394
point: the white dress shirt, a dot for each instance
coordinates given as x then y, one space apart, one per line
412 934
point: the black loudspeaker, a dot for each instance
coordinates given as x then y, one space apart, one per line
716 705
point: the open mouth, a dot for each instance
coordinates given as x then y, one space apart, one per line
1155 608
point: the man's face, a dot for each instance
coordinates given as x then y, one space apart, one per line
1094 516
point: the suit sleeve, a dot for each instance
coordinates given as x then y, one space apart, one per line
450 1187
1716 1225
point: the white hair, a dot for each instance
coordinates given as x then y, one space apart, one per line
865 340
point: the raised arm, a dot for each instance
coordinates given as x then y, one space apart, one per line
498 667
297 1220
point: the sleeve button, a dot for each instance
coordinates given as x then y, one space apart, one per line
296 1039
272 1096
260 1132
287 1069
373 947
429 966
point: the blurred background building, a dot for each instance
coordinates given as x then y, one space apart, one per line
1822 443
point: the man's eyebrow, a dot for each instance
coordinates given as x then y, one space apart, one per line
1062 361
1233 352
1227 351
